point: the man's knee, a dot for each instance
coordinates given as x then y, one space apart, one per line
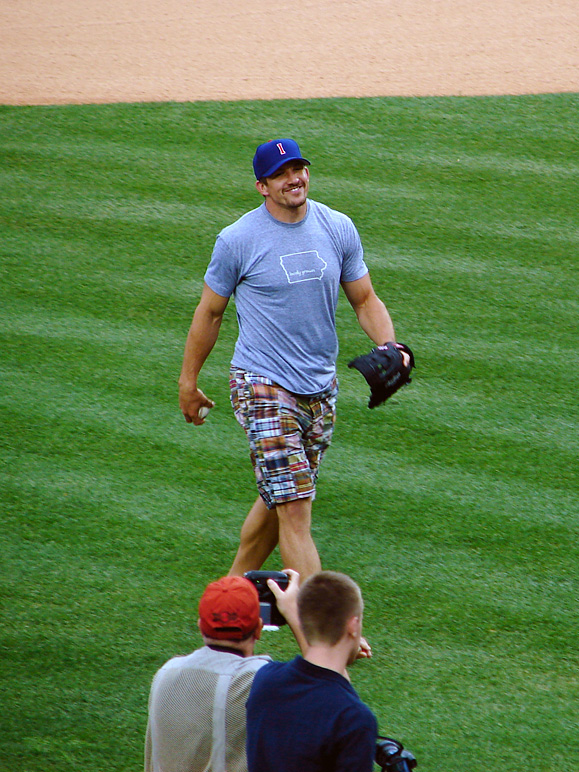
295 515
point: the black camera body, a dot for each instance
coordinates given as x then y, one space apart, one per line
268 609
392 757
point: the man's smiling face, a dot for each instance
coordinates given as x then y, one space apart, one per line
286 191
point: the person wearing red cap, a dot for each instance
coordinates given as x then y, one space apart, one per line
284 263
196 720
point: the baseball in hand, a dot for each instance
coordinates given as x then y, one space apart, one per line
203 412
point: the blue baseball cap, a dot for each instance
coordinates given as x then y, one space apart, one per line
273 154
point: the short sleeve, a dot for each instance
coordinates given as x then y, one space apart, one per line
353 266
222 274
356 740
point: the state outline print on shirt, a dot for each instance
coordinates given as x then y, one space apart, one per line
299 266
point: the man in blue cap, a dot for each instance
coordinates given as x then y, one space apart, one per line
284 263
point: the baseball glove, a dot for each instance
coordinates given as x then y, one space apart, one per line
385 371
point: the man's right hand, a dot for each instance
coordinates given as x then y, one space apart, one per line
190 400
287 600
287 603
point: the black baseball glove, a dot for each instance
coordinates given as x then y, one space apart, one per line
385 371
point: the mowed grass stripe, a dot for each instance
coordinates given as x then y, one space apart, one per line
455 506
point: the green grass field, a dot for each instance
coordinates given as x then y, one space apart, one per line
455 506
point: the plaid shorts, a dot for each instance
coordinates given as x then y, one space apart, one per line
288 434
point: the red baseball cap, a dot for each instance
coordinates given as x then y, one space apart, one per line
229 609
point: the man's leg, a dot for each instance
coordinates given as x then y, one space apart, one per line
259 536
296 544
286 459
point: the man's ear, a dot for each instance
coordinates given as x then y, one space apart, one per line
199 625
258 629
262 187
353 627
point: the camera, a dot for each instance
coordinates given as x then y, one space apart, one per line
268 609
392 757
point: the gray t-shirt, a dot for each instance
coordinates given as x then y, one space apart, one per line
285 278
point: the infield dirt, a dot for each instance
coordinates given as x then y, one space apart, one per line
95 51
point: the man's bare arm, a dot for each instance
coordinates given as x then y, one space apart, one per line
372 314
202 336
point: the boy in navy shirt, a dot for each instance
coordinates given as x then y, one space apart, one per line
305 715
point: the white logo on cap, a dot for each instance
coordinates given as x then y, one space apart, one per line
280 148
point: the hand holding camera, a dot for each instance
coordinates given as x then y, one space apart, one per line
277 592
